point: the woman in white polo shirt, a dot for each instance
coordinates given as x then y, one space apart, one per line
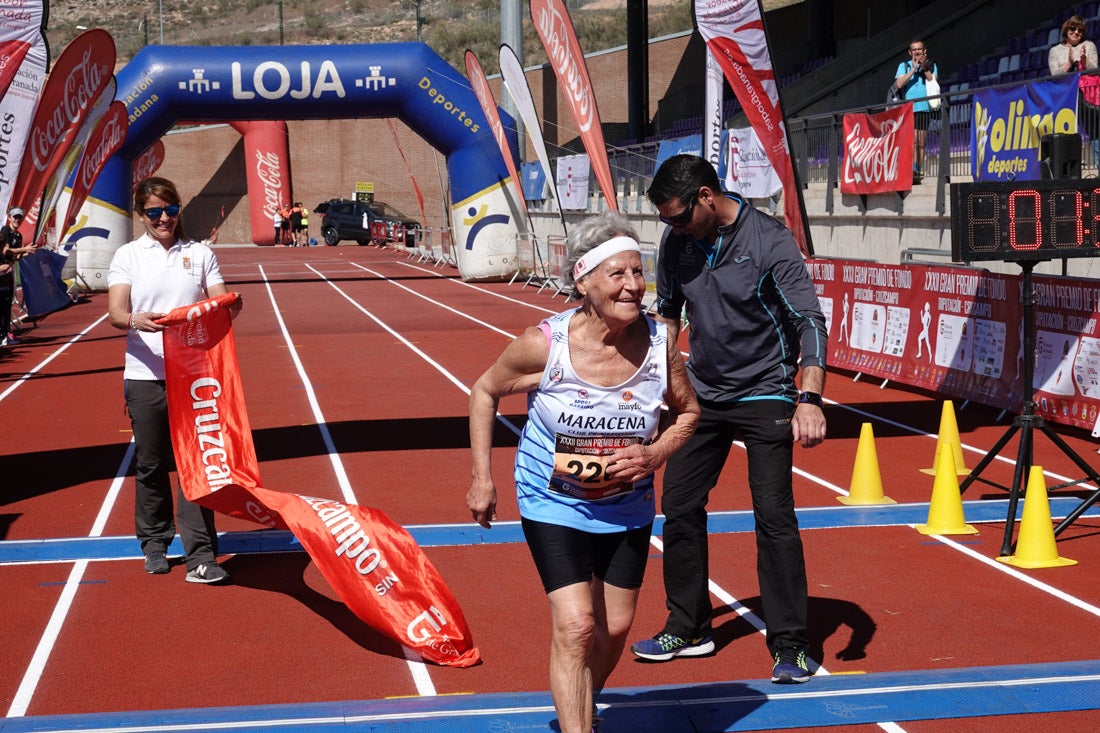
159 271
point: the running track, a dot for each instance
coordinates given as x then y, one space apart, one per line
372 353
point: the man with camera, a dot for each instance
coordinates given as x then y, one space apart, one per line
911 79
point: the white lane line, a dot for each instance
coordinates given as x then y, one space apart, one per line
417 669
33 675
38 367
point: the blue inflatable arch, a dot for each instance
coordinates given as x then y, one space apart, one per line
164 84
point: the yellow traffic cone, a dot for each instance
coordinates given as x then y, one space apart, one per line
1035 546
866 486
945 511
948 437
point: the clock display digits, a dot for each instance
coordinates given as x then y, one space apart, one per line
1024 220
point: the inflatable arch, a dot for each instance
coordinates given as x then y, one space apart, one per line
165 84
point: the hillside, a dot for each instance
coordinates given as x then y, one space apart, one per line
448 26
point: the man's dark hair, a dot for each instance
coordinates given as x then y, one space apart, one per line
680 177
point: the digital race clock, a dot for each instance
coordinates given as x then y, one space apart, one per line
1025 220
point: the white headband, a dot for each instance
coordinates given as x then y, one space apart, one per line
593 257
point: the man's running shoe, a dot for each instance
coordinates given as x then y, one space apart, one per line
665 646
208 572
790 666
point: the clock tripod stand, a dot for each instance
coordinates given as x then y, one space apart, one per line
1026 423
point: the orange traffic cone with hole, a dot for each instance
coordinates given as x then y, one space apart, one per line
948 438
945 511
1035 546
866 486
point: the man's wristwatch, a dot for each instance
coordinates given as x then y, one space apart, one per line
809 398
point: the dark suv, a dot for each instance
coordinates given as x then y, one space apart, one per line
365 223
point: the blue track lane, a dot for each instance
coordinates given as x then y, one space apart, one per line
450 535
707 708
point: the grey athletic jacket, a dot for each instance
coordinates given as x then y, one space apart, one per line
751 308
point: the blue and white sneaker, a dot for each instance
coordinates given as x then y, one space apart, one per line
665 646
790 666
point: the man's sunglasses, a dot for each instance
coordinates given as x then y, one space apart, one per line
155 212
682 218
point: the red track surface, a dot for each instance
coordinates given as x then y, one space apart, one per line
882 599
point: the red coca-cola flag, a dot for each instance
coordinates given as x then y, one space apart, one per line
878 151
82 71
358 549
559 38
148 162
105 140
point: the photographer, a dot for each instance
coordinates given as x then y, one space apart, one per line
911 79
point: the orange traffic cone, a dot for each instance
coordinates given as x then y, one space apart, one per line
945 511
1035 546
948 438
866 486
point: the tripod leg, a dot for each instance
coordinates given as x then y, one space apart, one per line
1090 473
973 475
1023 465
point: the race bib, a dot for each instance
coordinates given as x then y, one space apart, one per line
580 465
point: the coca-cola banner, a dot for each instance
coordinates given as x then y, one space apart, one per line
267 170
148 162
45 230
105 140
74 84
374 564
878 151
559 38
959 331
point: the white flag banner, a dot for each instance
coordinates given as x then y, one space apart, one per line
18 105
748 170
573 172
712 112
515 81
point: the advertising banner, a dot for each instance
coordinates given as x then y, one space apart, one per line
573 171
1008 122
559 38
734 32
745 167
81 73
374 564
878 151
17 108
489 107
713 134
959 332
105 140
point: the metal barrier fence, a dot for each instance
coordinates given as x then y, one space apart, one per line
817 151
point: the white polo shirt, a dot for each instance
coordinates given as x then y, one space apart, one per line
159 281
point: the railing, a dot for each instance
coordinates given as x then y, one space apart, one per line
817 151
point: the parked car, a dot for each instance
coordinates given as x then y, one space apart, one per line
375 222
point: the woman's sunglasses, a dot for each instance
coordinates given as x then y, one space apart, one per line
155 212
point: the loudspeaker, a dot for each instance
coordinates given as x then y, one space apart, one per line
1060 156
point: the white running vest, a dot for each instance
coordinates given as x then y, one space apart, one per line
572 426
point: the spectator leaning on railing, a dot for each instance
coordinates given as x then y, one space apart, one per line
1077 53
911 79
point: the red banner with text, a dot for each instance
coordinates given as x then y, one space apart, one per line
373 563
878 151
959 331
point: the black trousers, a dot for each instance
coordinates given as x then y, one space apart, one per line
764 426
7 297
147 403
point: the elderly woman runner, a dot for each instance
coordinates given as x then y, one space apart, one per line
595 378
